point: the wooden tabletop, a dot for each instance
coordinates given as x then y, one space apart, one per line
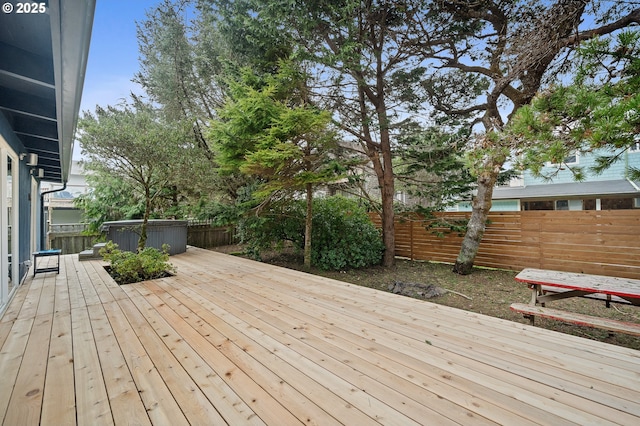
615 286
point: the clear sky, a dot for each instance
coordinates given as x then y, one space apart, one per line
113 53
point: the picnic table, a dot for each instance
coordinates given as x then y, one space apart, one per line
547 286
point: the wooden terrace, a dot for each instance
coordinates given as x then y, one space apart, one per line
231 341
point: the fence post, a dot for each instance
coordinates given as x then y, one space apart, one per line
411 238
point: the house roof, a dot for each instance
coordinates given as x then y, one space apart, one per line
43 58
569 190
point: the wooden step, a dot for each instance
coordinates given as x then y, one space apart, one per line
96 249
86 255
92 253
579 319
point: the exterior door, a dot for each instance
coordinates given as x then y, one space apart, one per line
9 225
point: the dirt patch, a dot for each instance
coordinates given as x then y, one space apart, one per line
485 291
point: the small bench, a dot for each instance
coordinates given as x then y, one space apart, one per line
579 319
46 253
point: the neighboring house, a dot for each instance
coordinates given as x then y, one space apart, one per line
60 205
610 190
43 59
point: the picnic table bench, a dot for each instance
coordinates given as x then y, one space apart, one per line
46 253
547 286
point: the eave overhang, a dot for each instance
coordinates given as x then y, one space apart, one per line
43 59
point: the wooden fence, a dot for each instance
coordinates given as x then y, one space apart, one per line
605 242
70 239
70 242
206 236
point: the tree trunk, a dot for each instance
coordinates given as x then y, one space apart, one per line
388 216
477 223
307 228
142 242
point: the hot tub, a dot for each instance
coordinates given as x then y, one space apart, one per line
126 234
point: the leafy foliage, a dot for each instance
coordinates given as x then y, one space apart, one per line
430 166
343 234
130 148
110 198
128 267
600 110
270 131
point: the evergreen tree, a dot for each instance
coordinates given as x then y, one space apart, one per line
272 133
600 110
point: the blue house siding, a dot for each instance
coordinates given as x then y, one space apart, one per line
611 189
496 206
22 199
585 161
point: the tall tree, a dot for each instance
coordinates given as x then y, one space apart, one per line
169 68
510 50
131 143
365 57
272 132
599 111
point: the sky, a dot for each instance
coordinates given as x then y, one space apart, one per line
113 52
113 55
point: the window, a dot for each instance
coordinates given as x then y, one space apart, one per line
635 147
570 160
562 204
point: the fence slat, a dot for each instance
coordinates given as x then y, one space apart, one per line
599 242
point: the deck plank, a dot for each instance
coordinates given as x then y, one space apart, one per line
125 402
158 401
377 362
231 341
59 400
412 353
242 360
296 330
229 336
193 403
449 329
26 399
11 355
92 401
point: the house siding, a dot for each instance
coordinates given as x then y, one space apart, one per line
22 199
617 171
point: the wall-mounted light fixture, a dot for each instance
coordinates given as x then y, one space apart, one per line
38 173
32 160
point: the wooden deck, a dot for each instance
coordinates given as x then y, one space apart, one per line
231 341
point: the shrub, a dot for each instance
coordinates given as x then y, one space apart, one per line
127 267
342 237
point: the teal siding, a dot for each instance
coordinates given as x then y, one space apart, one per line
496 206
617 171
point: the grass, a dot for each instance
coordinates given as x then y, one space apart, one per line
490 291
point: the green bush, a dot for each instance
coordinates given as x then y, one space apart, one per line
127 267
342 234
